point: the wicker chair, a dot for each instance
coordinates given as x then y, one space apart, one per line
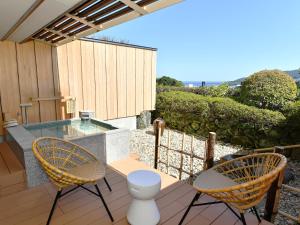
241 183
68 164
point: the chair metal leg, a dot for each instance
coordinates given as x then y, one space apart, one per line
231 209
58 194
196 197
104 203
107 184
243 219
257 215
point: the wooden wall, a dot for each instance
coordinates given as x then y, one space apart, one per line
113 80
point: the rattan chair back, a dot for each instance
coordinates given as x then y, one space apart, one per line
253 175
58 156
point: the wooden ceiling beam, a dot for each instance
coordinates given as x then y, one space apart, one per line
42 41
83 6
95 8
60 34
135 7
90 17
152 7
110 9
83 21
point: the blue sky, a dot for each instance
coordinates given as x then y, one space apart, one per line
217 40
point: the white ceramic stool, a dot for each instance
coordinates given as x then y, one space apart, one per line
143 185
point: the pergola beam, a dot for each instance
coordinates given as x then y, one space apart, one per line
124 18
134 6
85 22
44 42
80 26
60 34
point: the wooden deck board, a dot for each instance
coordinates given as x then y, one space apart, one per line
3 168
8 156
11 171
31 206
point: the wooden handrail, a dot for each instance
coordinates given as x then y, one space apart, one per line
278 147
45 99
184 153
271 207
290 188
63 98
289 216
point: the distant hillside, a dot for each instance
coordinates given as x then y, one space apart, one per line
293 73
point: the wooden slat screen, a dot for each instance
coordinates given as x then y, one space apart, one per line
114 80
87 16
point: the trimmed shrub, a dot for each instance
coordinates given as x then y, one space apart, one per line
168 81
213 91
292 124
269 89
233 122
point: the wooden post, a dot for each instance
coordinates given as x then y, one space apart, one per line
279 149
169 146
157 142
210 151
181 156
273 196
192 161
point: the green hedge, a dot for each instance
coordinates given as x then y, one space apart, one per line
291 130
213 91
233 122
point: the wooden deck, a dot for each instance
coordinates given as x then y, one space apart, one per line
31 206
12 173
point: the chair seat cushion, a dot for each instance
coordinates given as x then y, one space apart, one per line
91 171
210 179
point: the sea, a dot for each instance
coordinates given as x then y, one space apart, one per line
199 83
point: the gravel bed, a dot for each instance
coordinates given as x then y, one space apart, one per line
142 144
290 201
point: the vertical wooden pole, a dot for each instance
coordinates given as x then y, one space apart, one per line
181 156
192 161
273 197
157 142
210 151
169 146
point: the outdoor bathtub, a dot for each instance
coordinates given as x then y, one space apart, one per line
109 143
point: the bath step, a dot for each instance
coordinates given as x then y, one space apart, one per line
11 170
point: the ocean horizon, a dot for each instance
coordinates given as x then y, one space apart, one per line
199 83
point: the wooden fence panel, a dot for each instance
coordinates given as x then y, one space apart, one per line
121 81
75 76
147 80
131 82
62 61
111 70
28 79
88 75
139 76
113 80
43 54
56 83
1 119
153 85
10 96
100 79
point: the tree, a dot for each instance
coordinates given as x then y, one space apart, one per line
269 89
168 81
